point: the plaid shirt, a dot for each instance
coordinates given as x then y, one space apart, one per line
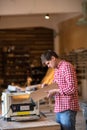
65 77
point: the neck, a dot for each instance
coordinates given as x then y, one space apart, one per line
57 62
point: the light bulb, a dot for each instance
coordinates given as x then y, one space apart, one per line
47 16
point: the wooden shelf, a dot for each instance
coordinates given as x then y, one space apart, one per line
20 51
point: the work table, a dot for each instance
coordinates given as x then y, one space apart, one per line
41 124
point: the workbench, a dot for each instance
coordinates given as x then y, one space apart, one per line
41 124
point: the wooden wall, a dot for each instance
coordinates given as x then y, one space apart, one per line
72 36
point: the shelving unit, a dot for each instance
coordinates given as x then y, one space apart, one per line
20 51
1 68
16 61
16 66
38 73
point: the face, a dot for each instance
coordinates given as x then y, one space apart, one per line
51 63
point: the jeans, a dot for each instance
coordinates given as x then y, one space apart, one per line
67 119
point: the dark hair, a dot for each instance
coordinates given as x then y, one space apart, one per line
46 56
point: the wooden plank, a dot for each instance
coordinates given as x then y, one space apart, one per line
42 93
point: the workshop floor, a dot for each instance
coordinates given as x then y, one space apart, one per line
80 121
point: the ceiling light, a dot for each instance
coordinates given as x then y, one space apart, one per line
47 16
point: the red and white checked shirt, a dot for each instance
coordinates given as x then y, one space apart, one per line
65 77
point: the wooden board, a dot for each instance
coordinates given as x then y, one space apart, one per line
42 92
42 124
